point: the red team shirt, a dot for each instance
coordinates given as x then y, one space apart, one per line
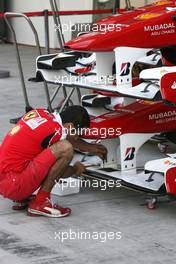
37 130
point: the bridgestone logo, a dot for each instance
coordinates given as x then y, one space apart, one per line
159 27
162 115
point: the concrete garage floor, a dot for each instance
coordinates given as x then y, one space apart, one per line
146 236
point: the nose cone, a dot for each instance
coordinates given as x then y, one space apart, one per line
95 42
84 42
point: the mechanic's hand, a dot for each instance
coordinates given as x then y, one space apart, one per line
100 151
79 168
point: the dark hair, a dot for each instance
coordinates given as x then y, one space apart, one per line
77 115
169 54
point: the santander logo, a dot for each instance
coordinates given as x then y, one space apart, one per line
174 85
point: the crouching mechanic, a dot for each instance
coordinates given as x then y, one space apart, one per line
37 152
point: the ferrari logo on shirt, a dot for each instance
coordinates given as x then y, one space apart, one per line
15 130
31 115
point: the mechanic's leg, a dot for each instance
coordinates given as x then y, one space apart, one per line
42 205
63 151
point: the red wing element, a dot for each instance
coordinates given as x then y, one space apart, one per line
168 87
170 181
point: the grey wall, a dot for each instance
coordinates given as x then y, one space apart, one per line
23 32
98 5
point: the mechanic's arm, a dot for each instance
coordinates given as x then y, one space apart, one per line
96 149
